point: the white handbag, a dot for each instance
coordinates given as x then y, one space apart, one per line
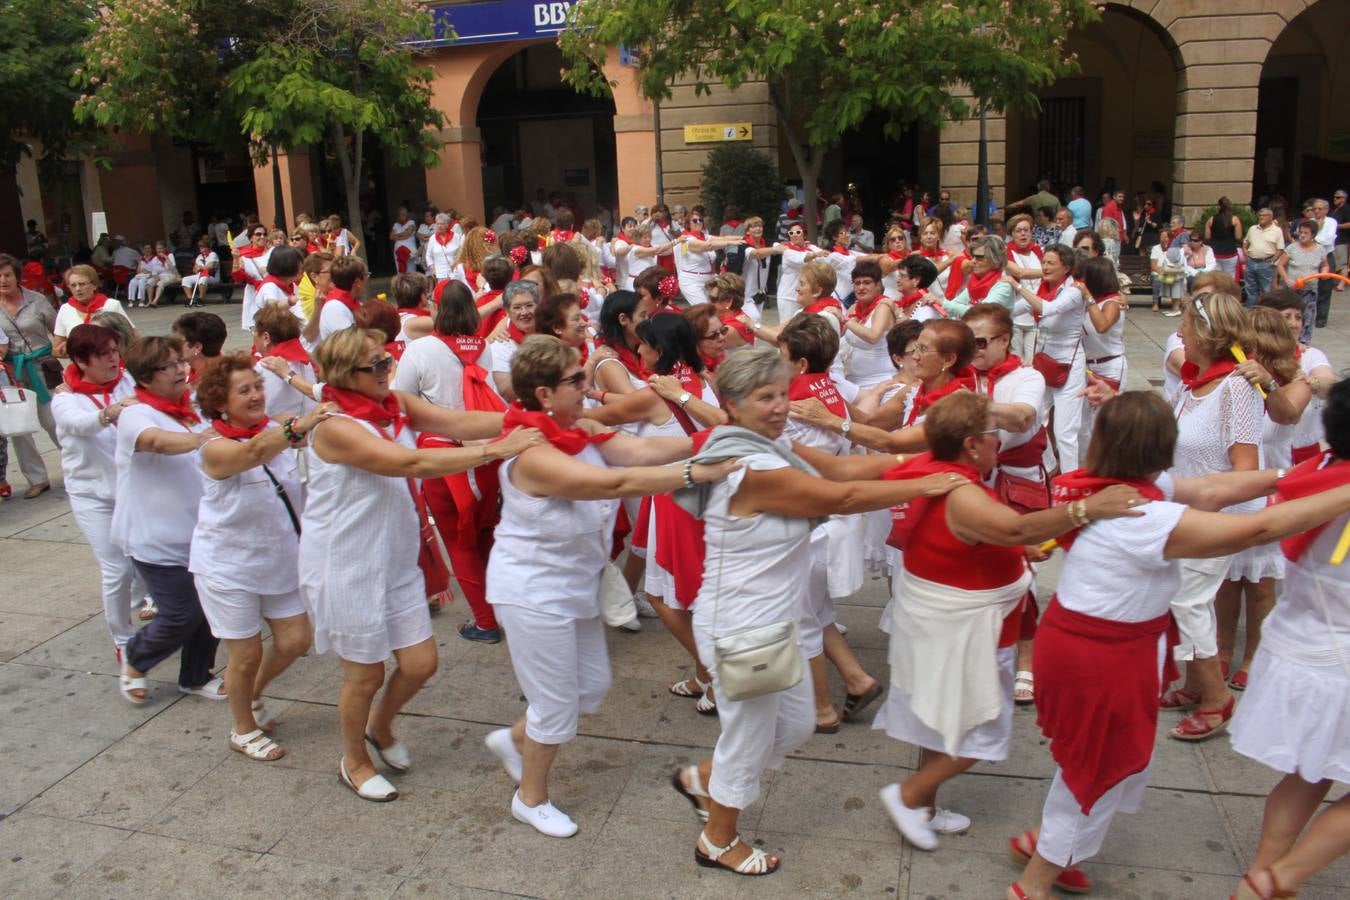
18 408
616 600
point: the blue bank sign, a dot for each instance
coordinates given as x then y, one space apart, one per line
496 21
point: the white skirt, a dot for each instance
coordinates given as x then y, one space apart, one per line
1255 563
844 566
1295 718
989 741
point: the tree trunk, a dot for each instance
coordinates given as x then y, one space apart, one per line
808 163
351 180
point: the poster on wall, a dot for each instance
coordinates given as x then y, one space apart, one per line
98 224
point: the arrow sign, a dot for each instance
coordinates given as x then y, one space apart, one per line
718 132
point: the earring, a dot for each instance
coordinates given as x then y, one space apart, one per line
549 412
225 417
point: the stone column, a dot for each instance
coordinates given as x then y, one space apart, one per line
959 150
634 137
297 189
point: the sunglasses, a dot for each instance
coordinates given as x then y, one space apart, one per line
1198 301
378 368
896 239
982 343
573 380
259 234
695 219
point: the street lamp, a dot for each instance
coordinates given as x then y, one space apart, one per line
982 173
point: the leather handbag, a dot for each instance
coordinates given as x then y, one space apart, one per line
757 661
1022 494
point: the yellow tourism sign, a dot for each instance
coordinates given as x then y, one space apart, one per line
721 131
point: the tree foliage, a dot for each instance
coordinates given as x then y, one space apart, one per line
738 175
831 63
288 75
40 51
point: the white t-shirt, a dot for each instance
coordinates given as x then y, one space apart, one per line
502 354
334 317
284 401
88 449
67 317
157 495
1170 382
1309 429
1116 569
244 538
429 369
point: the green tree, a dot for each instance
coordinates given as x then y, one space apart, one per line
737 174
830 63
302 73
40 52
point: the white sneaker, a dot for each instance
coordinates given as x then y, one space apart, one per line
913 823
644 606
545 818
944 821
503 747
632 625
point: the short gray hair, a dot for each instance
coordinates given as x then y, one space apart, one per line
748 370
444 218
995 251
520 287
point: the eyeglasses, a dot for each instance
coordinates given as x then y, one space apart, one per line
920 350
716 333
379 367
977 256
896 239
573 380
176 364
519 309
259 234
982 343
695 219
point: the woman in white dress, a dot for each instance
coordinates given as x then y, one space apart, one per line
360 535
757 530
1103 644
86 409
1295 716
558 506
755 269
865 328
247 540
1058 306
1219 418
443 248
403 237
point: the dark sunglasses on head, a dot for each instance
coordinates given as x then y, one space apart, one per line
377 368
573 380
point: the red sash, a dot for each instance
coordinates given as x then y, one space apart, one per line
679 539
478 392
821 386
741 327
1080 484
1322 472
291 351
956 276
1097 691
488 323
693 383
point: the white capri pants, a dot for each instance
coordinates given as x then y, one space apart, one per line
1193 607
1068 836
192 281
236 614
1067 408
757 734
138 287
94 517
562 665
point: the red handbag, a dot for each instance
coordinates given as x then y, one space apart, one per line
1056 373
1022 494
432 557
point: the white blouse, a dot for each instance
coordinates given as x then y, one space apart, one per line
88 448
157 494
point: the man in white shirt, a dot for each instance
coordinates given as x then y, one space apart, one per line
123 255
349 275
1326 239
859 238
1067 231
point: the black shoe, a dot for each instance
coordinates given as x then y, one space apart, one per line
471 632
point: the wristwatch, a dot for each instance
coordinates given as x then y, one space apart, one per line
845 428
684 398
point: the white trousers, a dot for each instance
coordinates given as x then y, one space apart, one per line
562 665
94 517
1193 607
191 283
757 734
1065 404
1068 836
137 288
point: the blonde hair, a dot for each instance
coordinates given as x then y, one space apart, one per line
590 259
752 222
1219 321
1108 229
1273 344
1019 219
342 351
820 275
540 362
475 249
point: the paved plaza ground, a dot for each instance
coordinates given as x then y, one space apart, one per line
100 799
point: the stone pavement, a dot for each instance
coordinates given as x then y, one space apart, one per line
101 799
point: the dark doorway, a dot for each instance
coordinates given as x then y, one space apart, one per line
1062 127
1276 137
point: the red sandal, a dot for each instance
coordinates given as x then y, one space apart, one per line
1179 699
1072 879
1239 681
1195 728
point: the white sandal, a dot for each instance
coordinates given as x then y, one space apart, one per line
693 792
126 684
376 788
256 745
707 704
1024 681
211 690
757 863
262 718
689 688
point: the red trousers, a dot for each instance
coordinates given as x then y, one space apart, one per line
468 552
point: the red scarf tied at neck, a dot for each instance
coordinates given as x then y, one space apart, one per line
75 380
234 432
926 397
906 516
343 297
569 440
468 349
291 351
1009 365
1081 484
181 412
690 379
1192 377
978 286
381 414
96 302
631 361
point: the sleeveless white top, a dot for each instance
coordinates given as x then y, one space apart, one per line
244 538
359 541
1311 623
557 547
868 364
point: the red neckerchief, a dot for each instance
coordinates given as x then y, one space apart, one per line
841 250
181 412
909 300
934 253
444 237
413 311
287 289
926 398
744 329
862 313
978 286
709 362
905 517
248 251
234 432
569 440
632 362
897 254
1323 472
75 380
800 248
1032 249
689 379
359 406
823 303
471 277
561 237
732 223
1192 377
1011 364
486 297
291 351
1047 292
753 241
821 386
696 235
1081 484
343 297
164 259
148 259
204 260
96 303
516 334
956 276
